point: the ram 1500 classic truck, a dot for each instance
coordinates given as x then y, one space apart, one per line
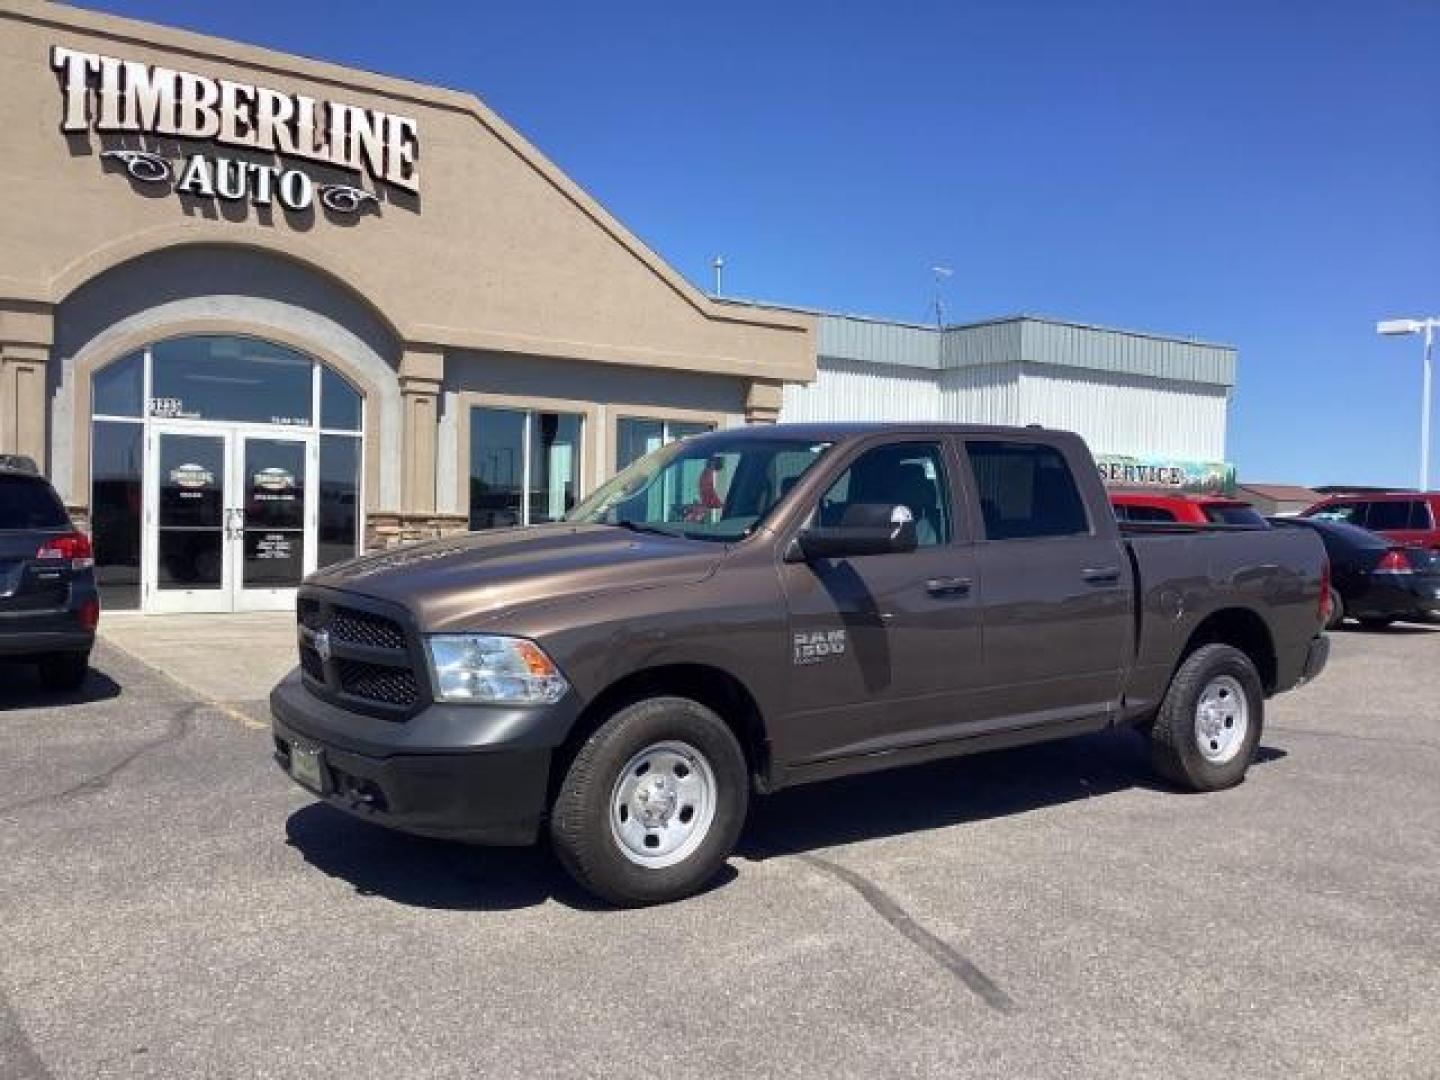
750 609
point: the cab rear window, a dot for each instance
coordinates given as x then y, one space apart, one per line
29 503
1234 515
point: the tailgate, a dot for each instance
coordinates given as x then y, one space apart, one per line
28 583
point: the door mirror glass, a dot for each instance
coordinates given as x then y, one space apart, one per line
865 529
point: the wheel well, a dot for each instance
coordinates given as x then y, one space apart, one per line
1242 629
712 687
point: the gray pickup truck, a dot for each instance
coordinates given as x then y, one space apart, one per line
756 608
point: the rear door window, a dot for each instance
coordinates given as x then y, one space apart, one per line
1026 491
30 503
1391 514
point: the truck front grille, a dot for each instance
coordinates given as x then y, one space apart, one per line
371 666
394 686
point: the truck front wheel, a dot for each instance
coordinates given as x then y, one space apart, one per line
652 804
1209 725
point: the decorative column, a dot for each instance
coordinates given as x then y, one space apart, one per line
762 401
26 334
422 373
422 368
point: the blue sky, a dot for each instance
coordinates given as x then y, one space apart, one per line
1261 173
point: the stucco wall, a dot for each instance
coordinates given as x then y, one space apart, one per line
499 250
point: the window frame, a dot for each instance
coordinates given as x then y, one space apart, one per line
468 401
1093 527
817 481
718 421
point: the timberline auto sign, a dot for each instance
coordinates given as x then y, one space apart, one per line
127 97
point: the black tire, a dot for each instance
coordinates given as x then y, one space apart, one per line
1377 623
64 671
1174 747
580 818
1337 610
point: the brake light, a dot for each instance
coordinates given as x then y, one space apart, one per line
1394 561
74 548
1326 608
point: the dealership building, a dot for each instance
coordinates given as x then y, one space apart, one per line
259 313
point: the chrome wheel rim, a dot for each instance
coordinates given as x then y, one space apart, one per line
662 805
1222 719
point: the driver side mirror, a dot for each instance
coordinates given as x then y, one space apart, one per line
866 529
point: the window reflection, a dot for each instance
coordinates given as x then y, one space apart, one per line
118 388
115 511
508 489
339 499
230 378
636 437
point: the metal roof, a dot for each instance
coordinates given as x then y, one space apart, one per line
1026 339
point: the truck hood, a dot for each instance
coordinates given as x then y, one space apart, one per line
459 582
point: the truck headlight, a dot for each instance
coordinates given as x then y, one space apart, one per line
489 669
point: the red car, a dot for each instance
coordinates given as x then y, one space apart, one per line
1407 517
1165 506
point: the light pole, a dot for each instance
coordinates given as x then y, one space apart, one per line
1391 327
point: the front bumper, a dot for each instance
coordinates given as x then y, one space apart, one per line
458 772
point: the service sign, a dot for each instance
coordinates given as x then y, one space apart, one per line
120 98
1199 477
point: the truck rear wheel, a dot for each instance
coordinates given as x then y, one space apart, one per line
1209 724
652 804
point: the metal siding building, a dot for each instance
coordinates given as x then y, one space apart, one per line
1128 394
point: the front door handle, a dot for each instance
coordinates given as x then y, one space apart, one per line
948 586
1101 575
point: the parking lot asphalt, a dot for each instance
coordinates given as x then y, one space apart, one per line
170 905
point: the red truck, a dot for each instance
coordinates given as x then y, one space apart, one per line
1184 509
1406 517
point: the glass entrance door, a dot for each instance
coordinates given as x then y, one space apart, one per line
230 518
274 524
187 563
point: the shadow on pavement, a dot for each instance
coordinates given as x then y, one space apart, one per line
429 873
438 874
20 688
952 792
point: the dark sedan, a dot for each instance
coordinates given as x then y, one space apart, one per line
1375 581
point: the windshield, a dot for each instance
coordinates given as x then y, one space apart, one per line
707 488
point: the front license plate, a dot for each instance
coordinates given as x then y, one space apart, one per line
305 766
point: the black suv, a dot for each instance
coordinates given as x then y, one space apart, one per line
48 603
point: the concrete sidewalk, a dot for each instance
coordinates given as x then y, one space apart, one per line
231 659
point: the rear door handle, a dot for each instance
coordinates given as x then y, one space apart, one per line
948 586
1101 575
